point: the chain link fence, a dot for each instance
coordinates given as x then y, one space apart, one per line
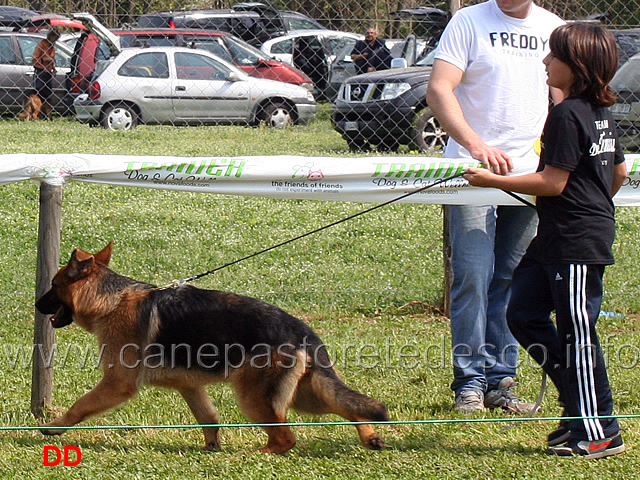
265 40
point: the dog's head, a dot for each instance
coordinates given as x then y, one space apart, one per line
60 300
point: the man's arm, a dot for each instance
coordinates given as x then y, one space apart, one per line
358 51
444 79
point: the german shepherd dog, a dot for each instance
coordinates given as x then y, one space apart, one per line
31 108
185 338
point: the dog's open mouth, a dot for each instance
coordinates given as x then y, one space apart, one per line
50 304
61 318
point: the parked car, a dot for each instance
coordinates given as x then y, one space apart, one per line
238 52
14 17
388 108
16 72
312 51
627 43
176 85
253 22
424 22
626 112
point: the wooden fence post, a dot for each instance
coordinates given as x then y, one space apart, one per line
47 266
446 257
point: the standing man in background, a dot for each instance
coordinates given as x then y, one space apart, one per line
44 64
488 90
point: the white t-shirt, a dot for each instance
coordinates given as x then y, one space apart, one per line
503 92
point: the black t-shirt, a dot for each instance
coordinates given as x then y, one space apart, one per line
578 225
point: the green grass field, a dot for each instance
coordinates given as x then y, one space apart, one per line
371 288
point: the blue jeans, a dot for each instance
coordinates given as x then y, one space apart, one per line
487 244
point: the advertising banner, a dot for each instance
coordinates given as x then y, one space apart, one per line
358 179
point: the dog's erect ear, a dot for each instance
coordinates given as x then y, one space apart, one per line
79 265
104 257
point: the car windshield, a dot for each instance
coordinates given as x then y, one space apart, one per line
213 44
243 53
627 77
427 60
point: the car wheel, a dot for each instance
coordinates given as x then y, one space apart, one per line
119 117
278 115
358 144
428 135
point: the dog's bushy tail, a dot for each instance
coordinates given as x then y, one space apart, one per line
357 406
325 392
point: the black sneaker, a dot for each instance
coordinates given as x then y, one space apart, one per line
559 435
589 449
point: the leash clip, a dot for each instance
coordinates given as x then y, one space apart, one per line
173 284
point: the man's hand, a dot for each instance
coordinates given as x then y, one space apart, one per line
493 158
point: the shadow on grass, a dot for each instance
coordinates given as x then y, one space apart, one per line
430 444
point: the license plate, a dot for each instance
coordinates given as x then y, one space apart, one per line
350 126
620 108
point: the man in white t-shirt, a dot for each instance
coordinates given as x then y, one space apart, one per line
488 90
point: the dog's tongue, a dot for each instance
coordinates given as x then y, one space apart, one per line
56 318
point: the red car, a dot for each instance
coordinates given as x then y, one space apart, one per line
99 43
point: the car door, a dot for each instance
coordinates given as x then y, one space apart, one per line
281 50
333 44
144 80
205 89
13 76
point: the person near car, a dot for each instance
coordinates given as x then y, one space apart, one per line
581 168
44 64
371 53
488 90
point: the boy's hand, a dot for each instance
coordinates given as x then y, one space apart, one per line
479 177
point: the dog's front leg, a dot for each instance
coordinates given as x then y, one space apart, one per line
112 390
205 412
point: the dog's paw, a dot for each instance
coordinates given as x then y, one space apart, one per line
375 442
49 429
212 447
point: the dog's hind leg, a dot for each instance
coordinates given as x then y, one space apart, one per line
265 394
205 412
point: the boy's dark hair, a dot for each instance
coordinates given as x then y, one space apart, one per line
589 50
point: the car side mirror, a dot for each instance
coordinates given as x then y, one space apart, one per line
399 63
234 77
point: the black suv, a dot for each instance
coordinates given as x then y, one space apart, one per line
254 22
387 109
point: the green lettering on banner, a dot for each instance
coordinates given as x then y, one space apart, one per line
210 169
167 166
397 169
415 170
635 166
227 167
378 169
235 165
441 172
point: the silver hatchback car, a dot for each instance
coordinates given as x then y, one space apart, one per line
175 85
